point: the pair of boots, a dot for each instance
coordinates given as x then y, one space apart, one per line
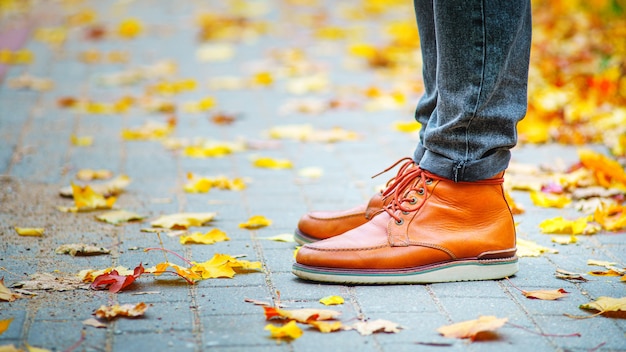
420 229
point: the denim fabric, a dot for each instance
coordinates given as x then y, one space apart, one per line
475 67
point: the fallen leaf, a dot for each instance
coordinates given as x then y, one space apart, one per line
86 199
129 28
94 323
116 282
287 331
151 130
270 163
107 189
559 225
88 275
548 295
526 248
189 274
125 310
215 52
546 200
181 221
49 282
407 126
571 239
198 184
117 217
30 348
10 348
81 141
300 315
611 217
81 249
223 119
215 235
326 326
4 325
570 276
606 304
311 172
471 328
6 294
90 175
256 222
30 231
285 237
332 300
224 266
373 326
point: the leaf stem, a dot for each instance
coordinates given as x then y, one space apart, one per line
168 251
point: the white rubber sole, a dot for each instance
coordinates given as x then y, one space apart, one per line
463 270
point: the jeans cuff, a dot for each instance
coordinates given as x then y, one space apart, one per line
463 170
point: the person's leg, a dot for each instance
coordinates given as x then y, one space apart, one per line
483 50
318 225
439 226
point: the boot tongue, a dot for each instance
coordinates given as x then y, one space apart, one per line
374 206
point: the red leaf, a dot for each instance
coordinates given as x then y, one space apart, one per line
116 282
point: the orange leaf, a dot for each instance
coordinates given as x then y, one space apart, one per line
471 328
548 295
125 310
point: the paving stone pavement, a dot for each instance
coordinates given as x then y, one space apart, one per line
37 159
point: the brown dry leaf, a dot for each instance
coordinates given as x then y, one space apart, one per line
570 276
181 221
125 310
548 295
373 326
6 294
471 328
49 282
81 249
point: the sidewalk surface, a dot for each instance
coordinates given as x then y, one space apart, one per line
266 64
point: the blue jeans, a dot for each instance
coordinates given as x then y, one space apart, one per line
475 67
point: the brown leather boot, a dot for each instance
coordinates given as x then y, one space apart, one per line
433 230
319 225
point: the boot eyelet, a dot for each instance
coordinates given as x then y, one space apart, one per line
413 201
420 191
429 181
399 222
405 213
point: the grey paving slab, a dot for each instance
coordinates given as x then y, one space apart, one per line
37 158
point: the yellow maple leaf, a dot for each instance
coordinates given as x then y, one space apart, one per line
188 274
183 220
270 163
545 200
332 300
287 331
256 222
215 235
471 328
224 266
30 231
